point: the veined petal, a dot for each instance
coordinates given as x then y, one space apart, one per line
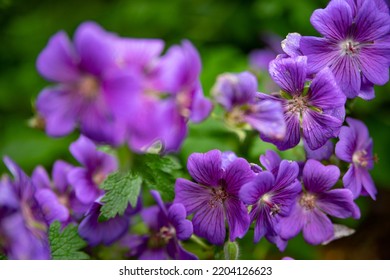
338 203
360 132
267 117
206 168
324 92
347 145
237 174
317 228
320 52
374 63
271 161
291 225
191 195
346 71
251 192
58 60
237 218
318 178
333 21
209 223
319 128
322 153
352 181
287 174
368 183
291 45
177 216
289 73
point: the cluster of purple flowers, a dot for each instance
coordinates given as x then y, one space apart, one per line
124 90
120 89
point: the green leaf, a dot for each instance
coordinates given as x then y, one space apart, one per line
121 189
66 244
2 257
160 173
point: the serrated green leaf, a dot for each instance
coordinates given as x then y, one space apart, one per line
66 244
121 189
160 173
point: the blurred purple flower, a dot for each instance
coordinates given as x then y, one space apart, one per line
213 197
168 225
355 46
271 194
355 146
322 153
314 202
237 94
57 197
84 77
23 229
318 110
96 167
96 231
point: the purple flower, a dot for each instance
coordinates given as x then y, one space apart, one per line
356 45
260 59
291 45
271 194
170 98
57 197
96 231
168 225
96 166
355 146
317 110
213 197
237 94
23 229
84 77
314 202
322 153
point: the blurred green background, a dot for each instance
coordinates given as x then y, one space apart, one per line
224 33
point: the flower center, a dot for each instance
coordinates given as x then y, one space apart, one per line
218 197
298 104
161 238
266 199
89 87
98 178
362 158
308 201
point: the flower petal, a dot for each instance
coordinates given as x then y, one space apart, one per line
191 195
368 183
318 228
206 168
338 203
237 174
177 216
319 128
289 73
271 161
251 192
58 60
287 174
322 153
291 45
209 223
318 178
237 217
333 21
291 225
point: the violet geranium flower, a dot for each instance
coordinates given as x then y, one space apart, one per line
318 110
23 229
237 94
271 194
355 146
57 196
168 225
213 197
355 46
83 77
96 167
315 201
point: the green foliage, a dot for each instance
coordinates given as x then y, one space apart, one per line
66 244
2 257
121 189
160 173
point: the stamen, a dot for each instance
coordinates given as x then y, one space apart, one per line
89 87
308 201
